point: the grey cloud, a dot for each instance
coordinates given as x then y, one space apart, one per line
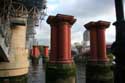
89 8
84 11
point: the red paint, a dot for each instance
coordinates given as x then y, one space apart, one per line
97 40
64 43
101 45
61 38
101 26
35 51
46 51
93 44
53 50
69 43
93 41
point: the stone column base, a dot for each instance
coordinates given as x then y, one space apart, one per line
99 73
60 73
15 79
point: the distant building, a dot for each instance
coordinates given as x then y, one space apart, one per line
86 40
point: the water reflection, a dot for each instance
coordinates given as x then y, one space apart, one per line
80 72
36 73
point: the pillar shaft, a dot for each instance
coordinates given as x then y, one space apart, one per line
101 45
53 51
60 38
69 43
97 70
101 26
46 51
93 44
61 63
53 47
64 54
35 55
35 51
93 41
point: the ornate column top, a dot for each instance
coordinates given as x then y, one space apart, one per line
61 18
51 19
102 24
97 25
91 25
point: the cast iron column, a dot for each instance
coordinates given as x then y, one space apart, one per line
35 51
46 51
101 26
91 26
35 55
53 49
98 70
61 68
64 40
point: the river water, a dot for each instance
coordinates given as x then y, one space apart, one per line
37 73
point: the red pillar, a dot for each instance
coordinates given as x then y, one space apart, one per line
53 48
46 51
93 40
64 41
101 26
35 52
64 55
60 37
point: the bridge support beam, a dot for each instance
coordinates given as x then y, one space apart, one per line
98 68
61 68
15 70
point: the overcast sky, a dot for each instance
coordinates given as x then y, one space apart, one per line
84 11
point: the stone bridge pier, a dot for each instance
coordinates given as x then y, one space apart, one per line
60 68
98 68
15 71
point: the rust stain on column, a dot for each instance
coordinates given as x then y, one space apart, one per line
101 26
93 40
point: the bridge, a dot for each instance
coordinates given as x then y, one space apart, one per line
18 18
17 21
